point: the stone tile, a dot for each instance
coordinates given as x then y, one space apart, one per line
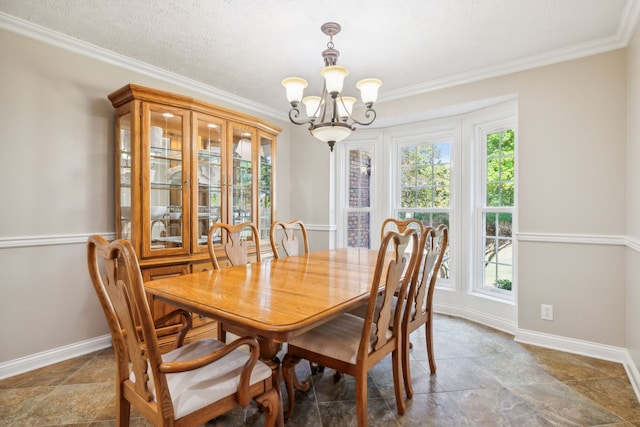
68 405
613 394
434 410
611 369
562 405
462 374
49 375
513 370
563 366
343 413
498 407
326 390
15 402
305 415
97 370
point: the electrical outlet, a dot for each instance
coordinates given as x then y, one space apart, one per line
546 312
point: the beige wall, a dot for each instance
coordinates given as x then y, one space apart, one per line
632 296
56 180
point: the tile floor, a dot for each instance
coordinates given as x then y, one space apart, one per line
484 378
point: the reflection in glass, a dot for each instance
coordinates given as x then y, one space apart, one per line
165 180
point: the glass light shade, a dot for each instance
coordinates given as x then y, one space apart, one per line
312 103
331 133
369 90
295 88
345 106
334 77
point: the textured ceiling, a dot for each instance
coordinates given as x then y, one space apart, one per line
246 47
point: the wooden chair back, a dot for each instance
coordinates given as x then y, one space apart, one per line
236 246
400 225
398 253
290 243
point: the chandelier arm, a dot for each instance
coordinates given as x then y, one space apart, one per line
369 113
294 113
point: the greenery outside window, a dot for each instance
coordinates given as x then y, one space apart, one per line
425 186
496 211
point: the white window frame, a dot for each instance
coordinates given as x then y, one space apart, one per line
363 141
445 130
480 131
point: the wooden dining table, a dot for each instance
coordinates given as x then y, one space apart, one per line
275 300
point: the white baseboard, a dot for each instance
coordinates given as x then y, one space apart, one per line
477 316
49 357
571 345
633 373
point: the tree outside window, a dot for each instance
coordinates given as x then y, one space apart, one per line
497 216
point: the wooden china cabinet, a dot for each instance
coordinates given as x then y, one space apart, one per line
182 165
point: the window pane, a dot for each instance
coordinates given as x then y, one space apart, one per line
408 198
358 234
441 197
424 198
498 250
359 178
500 169
408 157
408 176
359 197
507 194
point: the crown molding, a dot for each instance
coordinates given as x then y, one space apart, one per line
62 41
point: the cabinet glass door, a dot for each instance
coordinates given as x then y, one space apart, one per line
209 175
124 159
242 175
164 178
265 184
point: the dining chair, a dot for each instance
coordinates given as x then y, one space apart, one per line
290 243
187 386
353 345
420 297
236 248
400 225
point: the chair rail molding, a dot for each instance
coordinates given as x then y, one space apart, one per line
585 239
65 239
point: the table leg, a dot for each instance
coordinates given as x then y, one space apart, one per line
268 354
291 381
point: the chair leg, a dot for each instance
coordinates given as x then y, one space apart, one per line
429 339
406 370
271 404
124 412
222 334
396 358
361 399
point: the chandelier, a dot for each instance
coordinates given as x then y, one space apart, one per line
329 116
